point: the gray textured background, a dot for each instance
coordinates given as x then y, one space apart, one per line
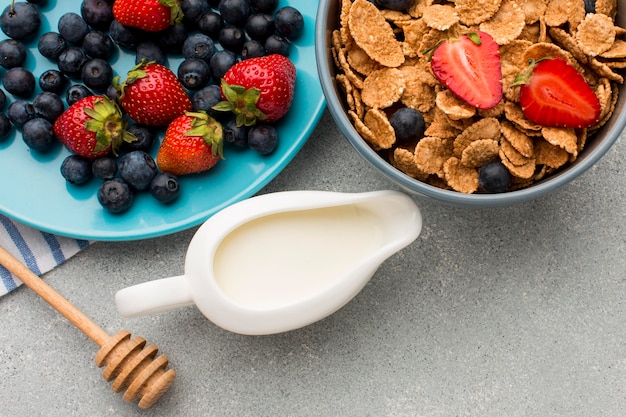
516 311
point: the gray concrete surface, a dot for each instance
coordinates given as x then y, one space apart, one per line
506 312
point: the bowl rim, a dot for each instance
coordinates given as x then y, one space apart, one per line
336 108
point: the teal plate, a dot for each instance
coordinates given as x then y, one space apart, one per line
33 192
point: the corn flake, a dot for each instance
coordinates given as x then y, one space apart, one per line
480 152
474 12
430 155
377 122
383 87
506 24
404 160
562 137
595 34
373 34
440 16
459 177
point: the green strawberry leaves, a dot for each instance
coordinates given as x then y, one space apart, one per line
209 129
242 102
106 121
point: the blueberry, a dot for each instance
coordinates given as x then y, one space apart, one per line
71 61
51 44
5 126
264 6
12 53
97 74
3 100
207 97
210 24
137 168
104 168
263 138
20 82
214 3
97 13
98 44
111 93
53 81
165 187
408 125
38 134
173 38
221 62
115 195
193 11
73 27
252 49
289 22
277 44
494 177
394 4
48 106
590 6
149 51
20 20
75 93
145 137
194 73
235 12
124 36
20 112
232 39
236 135
76 169
200 46
259 26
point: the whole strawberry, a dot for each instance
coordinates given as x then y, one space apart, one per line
152 94
469 66
148 15
92 127
193 143
259 89
554 93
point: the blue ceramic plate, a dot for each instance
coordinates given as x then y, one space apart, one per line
32 190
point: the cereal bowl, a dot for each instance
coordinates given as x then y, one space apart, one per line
595 147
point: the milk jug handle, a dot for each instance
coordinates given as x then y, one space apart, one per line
153 297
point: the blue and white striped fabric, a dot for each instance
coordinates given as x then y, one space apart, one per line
40 251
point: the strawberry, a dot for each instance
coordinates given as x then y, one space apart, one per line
148 15
92 127
554 93
469 66
193 143
258 89
152 94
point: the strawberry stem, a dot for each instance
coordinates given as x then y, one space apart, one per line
106 121
242 102
209 129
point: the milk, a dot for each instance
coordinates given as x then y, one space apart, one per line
282 258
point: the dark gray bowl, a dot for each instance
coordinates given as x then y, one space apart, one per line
328 20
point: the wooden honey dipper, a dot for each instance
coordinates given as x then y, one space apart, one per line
130 362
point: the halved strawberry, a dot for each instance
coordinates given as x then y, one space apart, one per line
469 66
554 93
193 143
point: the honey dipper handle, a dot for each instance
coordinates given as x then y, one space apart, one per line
56 300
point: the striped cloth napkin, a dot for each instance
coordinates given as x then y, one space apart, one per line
40 251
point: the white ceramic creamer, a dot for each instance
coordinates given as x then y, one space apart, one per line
280 261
